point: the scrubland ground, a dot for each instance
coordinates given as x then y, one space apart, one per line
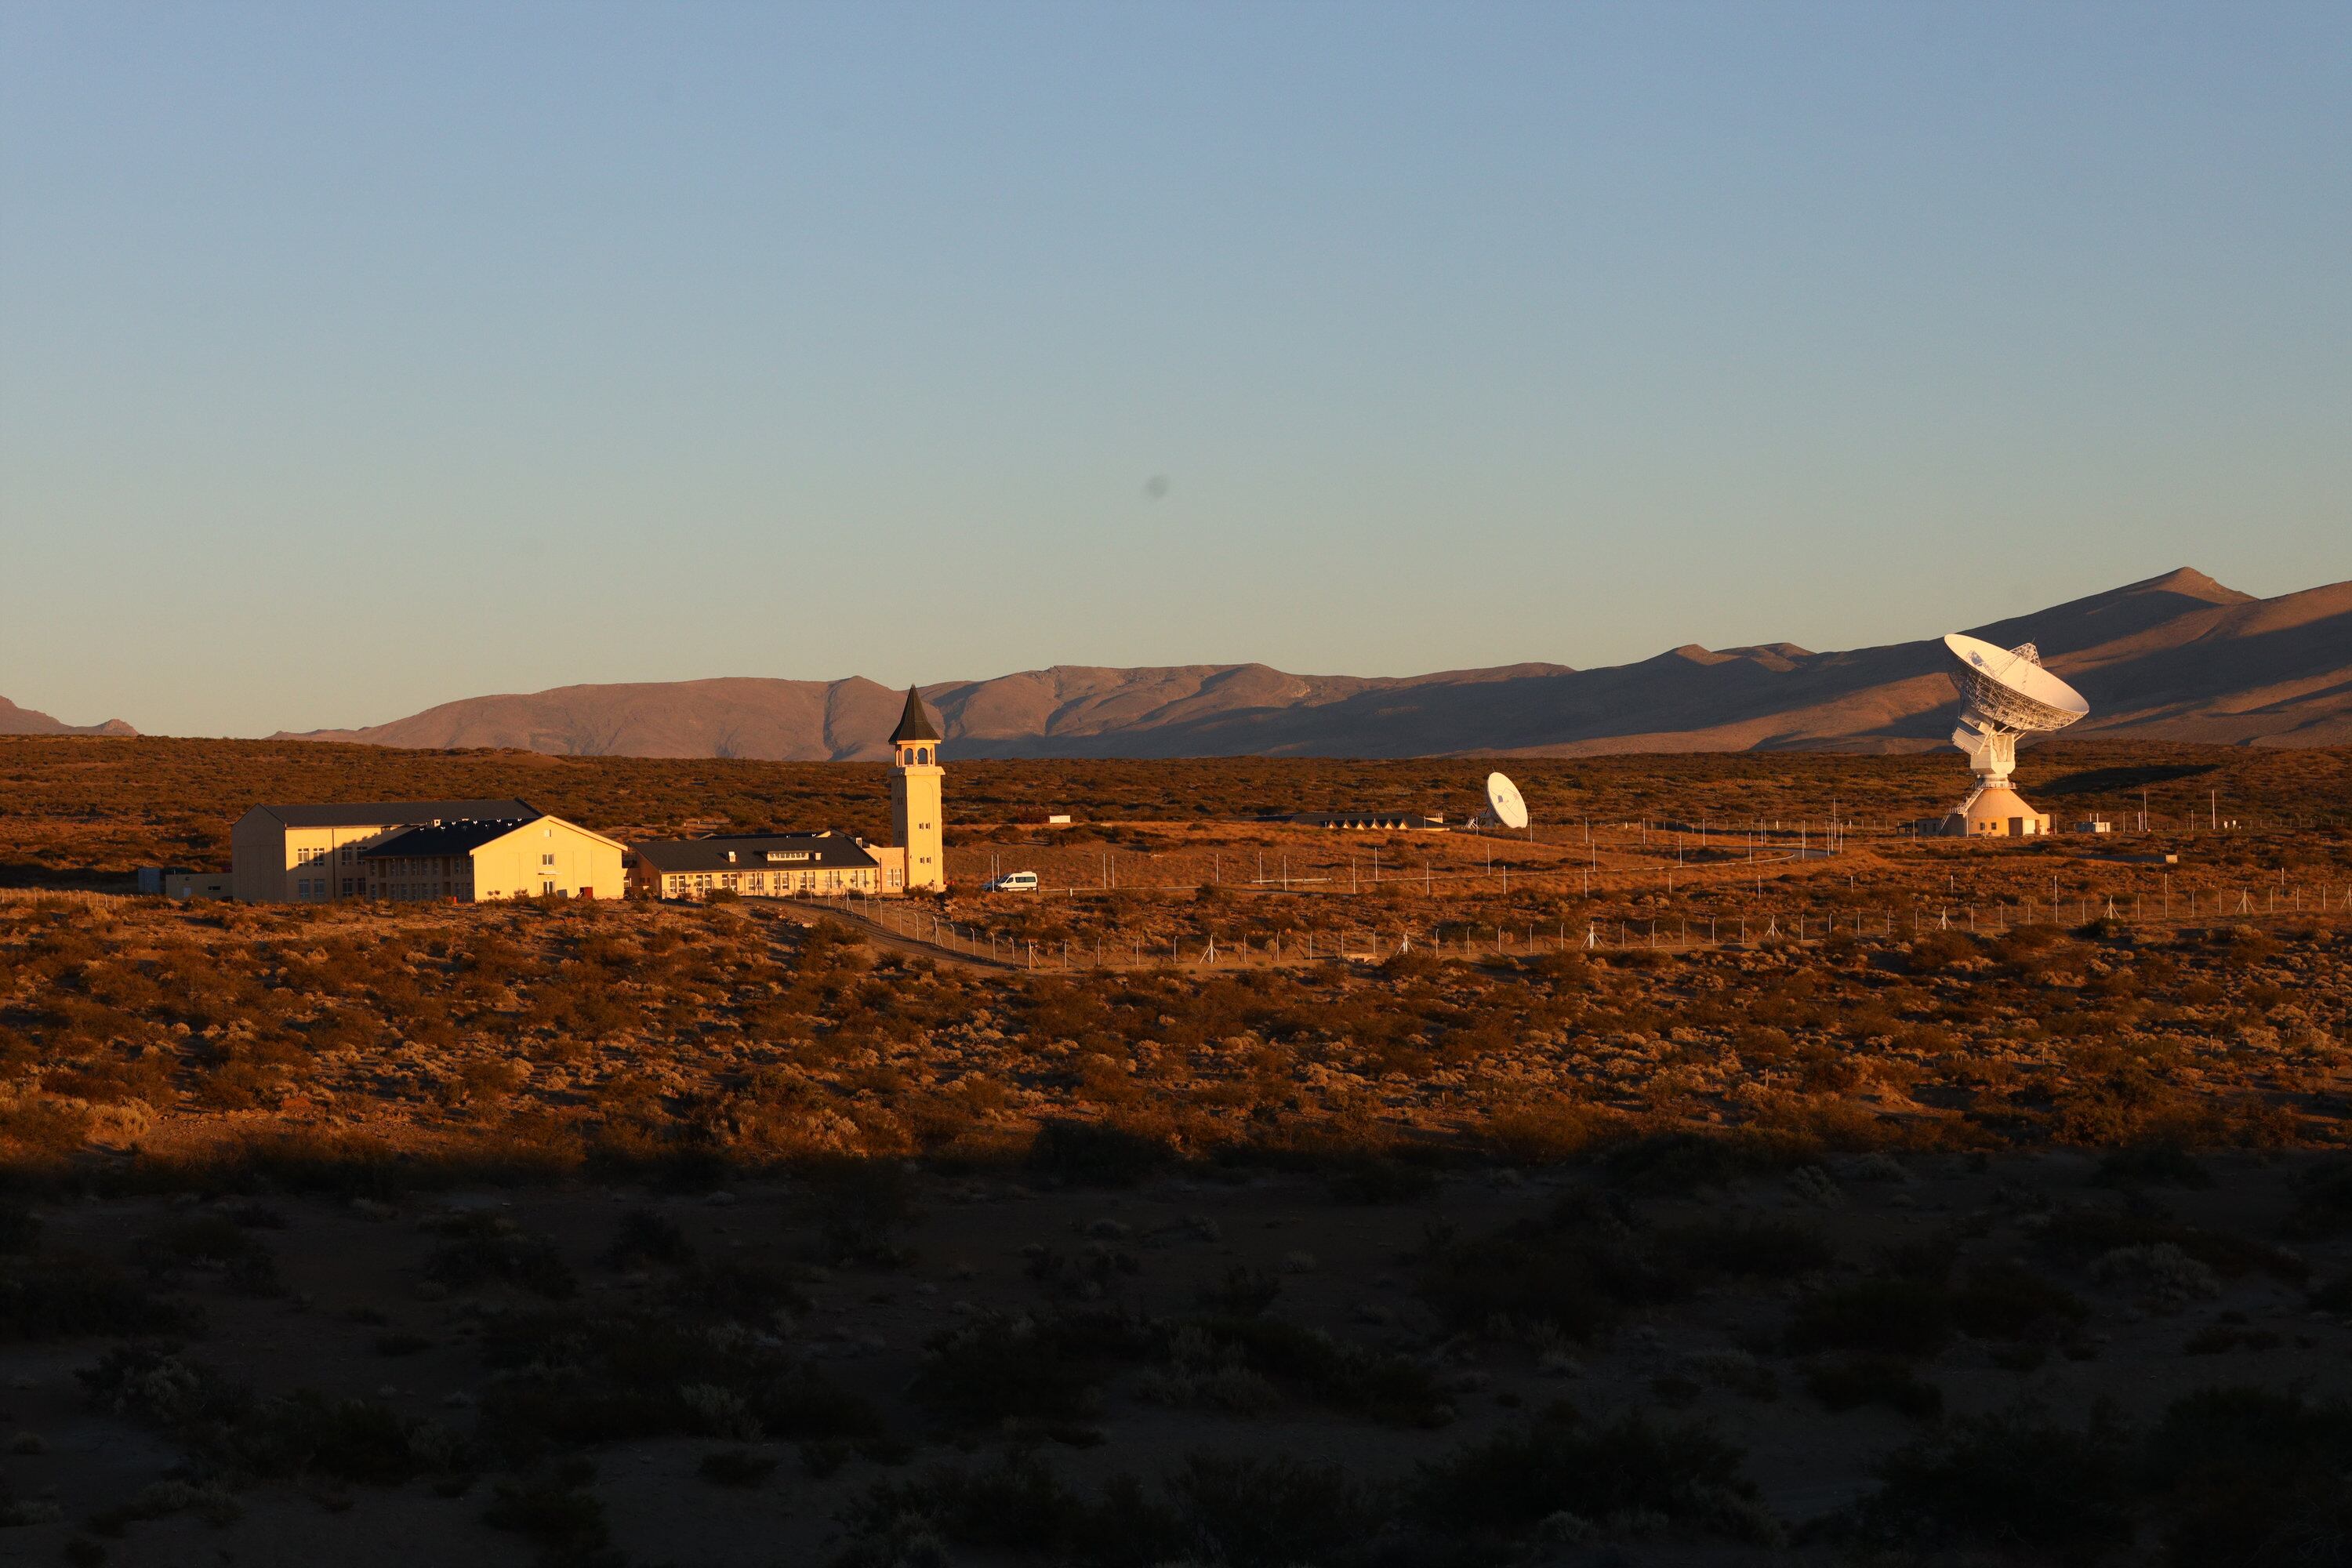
635 1234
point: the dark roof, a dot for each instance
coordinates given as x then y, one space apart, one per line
813 852
392 812
446 838
914 723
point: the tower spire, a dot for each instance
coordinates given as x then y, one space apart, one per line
914 723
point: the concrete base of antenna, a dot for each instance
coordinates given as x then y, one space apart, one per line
1996 811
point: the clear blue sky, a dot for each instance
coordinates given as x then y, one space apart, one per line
354 358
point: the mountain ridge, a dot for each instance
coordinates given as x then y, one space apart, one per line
16 721
2177 656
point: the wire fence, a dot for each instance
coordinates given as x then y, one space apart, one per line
1889 924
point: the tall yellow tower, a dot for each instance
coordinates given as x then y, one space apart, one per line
915 796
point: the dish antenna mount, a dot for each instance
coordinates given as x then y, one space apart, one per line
2004 693
1505 807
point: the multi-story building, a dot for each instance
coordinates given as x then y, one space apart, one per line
310 853
458 848
761 866
475 862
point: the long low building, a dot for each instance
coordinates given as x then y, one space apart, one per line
473 849
764 865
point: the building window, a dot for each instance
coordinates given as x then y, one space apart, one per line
548 859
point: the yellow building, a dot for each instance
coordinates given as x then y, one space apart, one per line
476 862
471 849
310 853
762 865
915 785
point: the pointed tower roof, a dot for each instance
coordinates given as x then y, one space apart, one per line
914 723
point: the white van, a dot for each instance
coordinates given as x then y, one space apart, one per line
1013 882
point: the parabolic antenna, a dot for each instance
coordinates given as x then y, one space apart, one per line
2004 693
2009 688
1505 802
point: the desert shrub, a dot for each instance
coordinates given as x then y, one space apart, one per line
1883 1314
2004 1301
1087 1277
40 1132
2083 1234
1746 1248
161 1500
1313 1365
481 1248
735 1467
566 1378
2323 1199
735 1291
1016 1506
996 1368
362 1441
2016 1481
1850 1381
2156 1272
1676 1164
1093 1154
1939 951
557 1514
2252 1477
54 1295
1203 1373
646 1237
1577 1269
1271 1513
304 1433
153 1384
1378 1181
861 1206
2153 1164
1497 1490
1243 1293
212 1242
1546 1129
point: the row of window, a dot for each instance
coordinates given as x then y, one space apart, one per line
695 884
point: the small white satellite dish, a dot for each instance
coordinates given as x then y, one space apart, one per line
1505 807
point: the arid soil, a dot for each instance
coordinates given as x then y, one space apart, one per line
1664 1357
758 1232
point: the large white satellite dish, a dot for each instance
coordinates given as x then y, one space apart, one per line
2004 693
1505 805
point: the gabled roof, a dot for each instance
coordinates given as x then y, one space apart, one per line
399 813
914 723
806 852
442 838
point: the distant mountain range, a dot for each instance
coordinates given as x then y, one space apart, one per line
2177 657
16 721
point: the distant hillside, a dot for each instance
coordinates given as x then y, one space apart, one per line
16 721
2178 657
